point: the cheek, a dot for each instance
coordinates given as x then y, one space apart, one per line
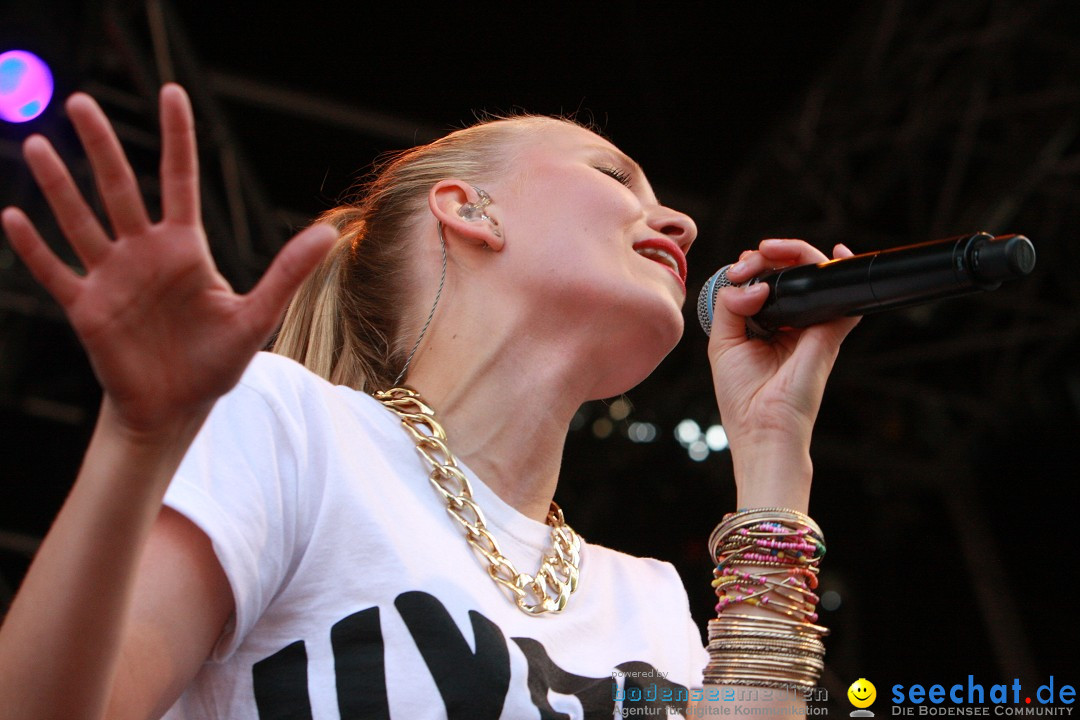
583 195
571 232
573 239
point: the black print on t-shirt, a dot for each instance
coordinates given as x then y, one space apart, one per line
472 684
281 684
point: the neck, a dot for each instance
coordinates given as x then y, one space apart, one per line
505 374
505 408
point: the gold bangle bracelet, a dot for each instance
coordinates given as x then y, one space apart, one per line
761 683
795 688
760 649
777 671
808 669
761 622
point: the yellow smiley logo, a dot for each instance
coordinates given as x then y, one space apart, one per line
862 693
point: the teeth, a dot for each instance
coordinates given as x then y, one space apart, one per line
662 256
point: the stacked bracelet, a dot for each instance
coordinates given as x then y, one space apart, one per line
764 652
768 558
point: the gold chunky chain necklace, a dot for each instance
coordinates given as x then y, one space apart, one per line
551 587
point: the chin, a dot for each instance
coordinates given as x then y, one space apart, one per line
634 356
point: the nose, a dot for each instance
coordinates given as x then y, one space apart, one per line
676 225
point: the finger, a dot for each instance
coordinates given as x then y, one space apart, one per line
823 340
113 174
297 259
744 300
842 251
179 158
56 277
819 345
734 306
789 250
840 327
773 254
74 216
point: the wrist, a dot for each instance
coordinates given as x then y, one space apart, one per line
167 440
768 475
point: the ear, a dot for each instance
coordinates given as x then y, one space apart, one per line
446 200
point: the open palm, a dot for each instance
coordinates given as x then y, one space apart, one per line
165 333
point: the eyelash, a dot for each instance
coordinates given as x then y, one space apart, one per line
621 176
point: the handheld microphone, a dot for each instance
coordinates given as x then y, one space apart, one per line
878 281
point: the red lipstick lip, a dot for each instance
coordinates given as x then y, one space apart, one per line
669 247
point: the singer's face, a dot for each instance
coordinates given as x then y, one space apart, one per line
594 242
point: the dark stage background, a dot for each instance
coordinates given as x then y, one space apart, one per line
946 450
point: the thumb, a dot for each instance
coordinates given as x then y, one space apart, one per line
733 306
292 264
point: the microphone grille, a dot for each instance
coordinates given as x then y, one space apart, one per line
707 297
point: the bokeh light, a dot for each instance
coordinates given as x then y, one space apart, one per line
642 432
687 432
26 86
716 438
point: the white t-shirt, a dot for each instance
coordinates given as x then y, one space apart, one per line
357 595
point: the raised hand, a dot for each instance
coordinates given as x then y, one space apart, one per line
165 333
769 392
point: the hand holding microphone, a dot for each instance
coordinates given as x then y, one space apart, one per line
878 281
769 393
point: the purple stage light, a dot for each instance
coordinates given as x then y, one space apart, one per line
26 86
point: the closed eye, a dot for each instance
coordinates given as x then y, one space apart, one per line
621 175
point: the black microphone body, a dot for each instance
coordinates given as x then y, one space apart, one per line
885 280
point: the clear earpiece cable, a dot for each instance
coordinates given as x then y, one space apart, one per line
442 281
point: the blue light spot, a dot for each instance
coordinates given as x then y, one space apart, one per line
11 72
31 109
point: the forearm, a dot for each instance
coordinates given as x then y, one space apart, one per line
768 393
60 641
